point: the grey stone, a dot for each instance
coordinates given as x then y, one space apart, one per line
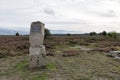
115 54
37 49
37 34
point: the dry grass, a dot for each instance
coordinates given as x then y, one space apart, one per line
13 45
76 65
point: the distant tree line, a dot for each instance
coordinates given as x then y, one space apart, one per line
47 33
112 34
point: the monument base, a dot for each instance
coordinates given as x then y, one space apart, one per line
37 57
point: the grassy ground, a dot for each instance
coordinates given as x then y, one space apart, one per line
67 62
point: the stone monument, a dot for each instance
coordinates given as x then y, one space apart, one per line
37 51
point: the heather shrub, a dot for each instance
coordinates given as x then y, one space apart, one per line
113 34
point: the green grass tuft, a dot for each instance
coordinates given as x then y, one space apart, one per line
42 76
51 66
21 66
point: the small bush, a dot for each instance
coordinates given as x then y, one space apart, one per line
68 34
17 34
113 34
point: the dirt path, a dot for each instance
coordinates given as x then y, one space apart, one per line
83 48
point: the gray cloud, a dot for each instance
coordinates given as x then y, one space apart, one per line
49 11
75 14
109 13
68 22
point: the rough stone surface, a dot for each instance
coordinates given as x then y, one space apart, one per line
37 49
37 34
115 54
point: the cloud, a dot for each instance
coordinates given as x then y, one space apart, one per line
77 15
108 14
49 11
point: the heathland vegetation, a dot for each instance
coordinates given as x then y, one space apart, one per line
69 57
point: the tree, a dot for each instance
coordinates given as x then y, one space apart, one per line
17 34
68 34
93 33
47 33
104 33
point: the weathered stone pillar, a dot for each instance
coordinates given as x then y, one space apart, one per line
37 49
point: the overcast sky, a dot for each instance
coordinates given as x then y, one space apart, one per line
72 15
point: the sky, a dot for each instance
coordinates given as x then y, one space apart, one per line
69 15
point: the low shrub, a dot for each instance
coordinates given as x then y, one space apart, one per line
4 53
70 53
113 34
